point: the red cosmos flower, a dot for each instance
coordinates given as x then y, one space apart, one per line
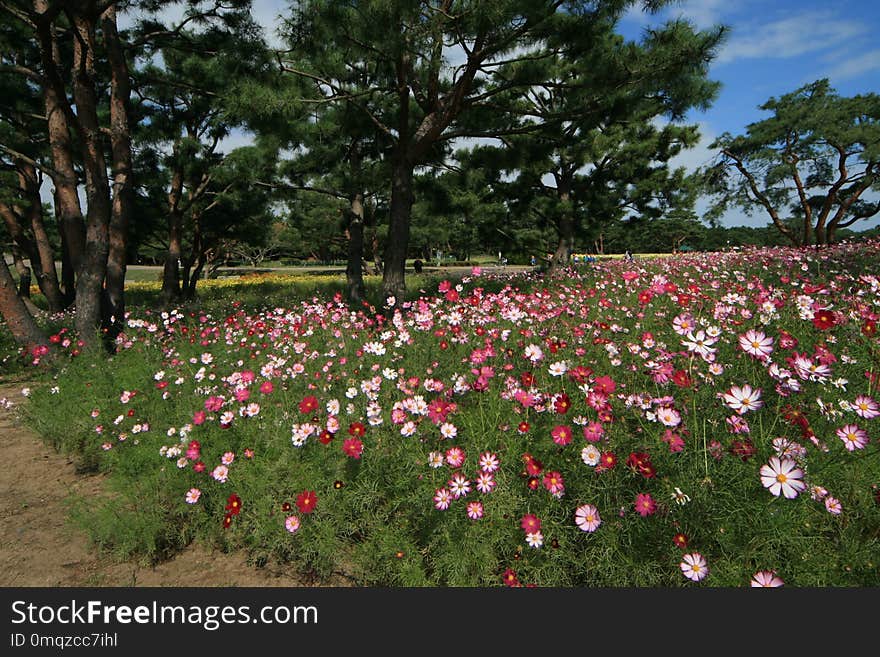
534 483
680 540
580 373
561 434
607 461
227 521
233 505
744 449
641 462
533 465
199 466
353 447
869 328
683 300
682 379
308 405
307 501
823 319
509 578
530 523
325 437
562 404
527 379
356 429
645 297
523 427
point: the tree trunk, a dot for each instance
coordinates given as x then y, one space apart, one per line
120 143
20 322
565 247
23 271
42 256
393 277
354 272
64 177
93 265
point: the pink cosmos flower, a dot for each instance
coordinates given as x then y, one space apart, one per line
459 485
442 499
756 343
833 506
587 518
455 457
193 495
865 407
693 566
766 579
220 473
489 462
474 510
743 399
485 482
783 477
593 432
853 437
292 524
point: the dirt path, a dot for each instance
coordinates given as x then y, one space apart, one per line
39 548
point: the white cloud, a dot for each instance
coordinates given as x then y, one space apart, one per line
790 37
855 66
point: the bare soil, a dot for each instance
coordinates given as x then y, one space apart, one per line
39 548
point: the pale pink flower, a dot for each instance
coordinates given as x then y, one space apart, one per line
694 567
766 579
782 477
587 518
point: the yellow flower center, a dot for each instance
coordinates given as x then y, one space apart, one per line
781 478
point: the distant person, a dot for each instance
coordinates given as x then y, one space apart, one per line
417 266
628 256
534 261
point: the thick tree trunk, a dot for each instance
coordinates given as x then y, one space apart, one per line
393 277
354 272
92 269
120 143
64 177
19 321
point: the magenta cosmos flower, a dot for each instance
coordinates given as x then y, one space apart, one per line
587 518
645 504
766 579
693 566
783 477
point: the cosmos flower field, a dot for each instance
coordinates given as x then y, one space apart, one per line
703 420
